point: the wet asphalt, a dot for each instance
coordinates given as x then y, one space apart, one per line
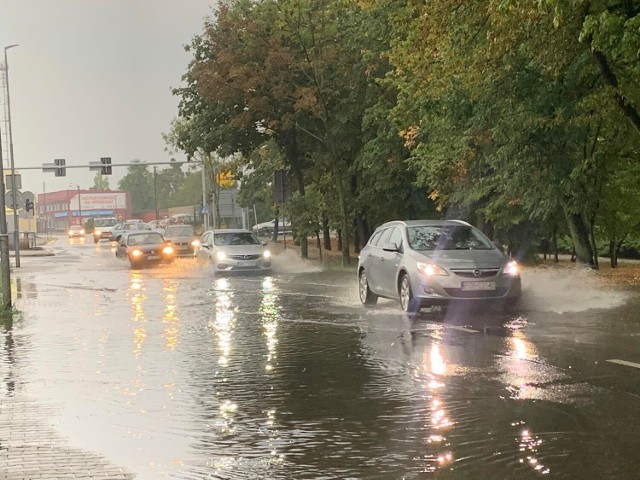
170 372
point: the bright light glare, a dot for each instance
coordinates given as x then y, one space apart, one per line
195 243
221 255
511 268
136 253
266 254
429 269
167 250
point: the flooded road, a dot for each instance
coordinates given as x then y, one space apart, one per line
172 373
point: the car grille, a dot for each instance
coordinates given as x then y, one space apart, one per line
477 273
459 293
244 257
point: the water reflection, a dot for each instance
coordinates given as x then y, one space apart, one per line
435 365
224 322
271 316
170 318
524 370
138 297
8 357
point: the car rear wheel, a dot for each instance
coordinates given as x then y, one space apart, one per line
408 303
367 297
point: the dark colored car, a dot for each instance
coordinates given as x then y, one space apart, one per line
183 237
145 248
424 263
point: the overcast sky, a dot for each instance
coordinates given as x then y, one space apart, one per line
93 78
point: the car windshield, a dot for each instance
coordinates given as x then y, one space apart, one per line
144 239
235 238
446 238
179 232
75 227
104 222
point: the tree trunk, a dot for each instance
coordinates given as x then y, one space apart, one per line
613 258
291 150
580 236
594 246
344 220
555 243
326 234
339 232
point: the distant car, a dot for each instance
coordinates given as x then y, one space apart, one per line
128 226
75 231
267 228
183 237
233 250
102 229
433 262
144 248
180 218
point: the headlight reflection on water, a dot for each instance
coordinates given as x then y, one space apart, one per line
436 369
137 298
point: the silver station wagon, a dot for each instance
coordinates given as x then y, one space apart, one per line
425 263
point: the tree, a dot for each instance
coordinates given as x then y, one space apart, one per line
139 183
100 182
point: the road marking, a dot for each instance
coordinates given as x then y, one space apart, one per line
624 362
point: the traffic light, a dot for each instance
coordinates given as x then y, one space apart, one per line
28 205
60 163
106 165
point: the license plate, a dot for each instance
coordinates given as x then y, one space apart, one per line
474 286
153 257
246 264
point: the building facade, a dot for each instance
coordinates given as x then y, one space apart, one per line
57 211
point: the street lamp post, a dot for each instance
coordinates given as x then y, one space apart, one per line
16 224
79 206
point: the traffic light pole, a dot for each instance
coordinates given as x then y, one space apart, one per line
4 241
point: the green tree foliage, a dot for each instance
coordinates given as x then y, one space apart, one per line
100 182
139 183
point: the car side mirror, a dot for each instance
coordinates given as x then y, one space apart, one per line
264 244
390 247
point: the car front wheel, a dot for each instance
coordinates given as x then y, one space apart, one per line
407 301
367 297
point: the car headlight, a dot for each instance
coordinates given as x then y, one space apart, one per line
195 243
168 250
430 269
97 232
266 254
136 253
82 232
221 255
512 268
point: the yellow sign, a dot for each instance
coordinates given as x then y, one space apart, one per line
226 179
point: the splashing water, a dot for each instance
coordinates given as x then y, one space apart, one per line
567 290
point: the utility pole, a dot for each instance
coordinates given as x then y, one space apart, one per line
4 241
79 206
155 189
14 187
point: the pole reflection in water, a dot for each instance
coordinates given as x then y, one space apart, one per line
170 319
137 297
